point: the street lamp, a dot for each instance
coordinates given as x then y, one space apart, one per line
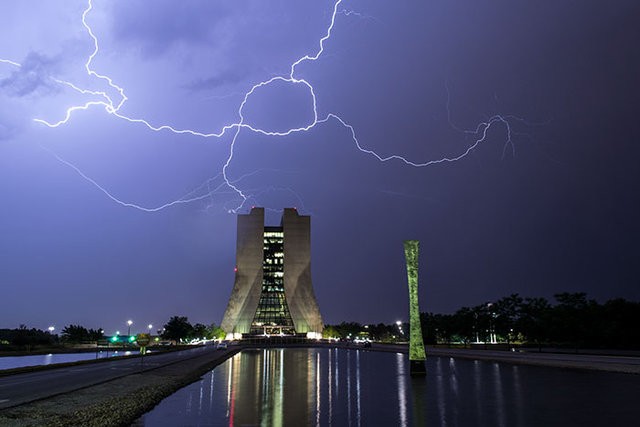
51 329
150 326
129 322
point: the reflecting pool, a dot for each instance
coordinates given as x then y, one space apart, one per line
296 387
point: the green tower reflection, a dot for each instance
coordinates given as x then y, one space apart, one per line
417 354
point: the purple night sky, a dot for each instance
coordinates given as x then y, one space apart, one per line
103 219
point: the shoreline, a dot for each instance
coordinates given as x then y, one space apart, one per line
122 401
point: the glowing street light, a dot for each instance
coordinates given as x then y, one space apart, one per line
150 326
129 322
51 329
399 324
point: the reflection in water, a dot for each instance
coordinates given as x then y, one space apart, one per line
477 387
518 395
499 395
330 388
10 362
402 388
348 388
293 387
358 415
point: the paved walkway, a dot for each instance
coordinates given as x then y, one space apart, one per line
624 364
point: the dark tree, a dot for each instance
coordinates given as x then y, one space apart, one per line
24 337
463 325
348 329
507 313
382 332
199 331
572 319
177 328
619 320
75 334
534 320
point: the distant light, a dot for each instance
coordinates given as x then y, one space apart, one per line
51 329
150 326
129 322
235 269
314 335
398 322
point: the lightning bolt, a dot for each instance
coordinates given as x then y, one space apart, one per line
8 61
113 108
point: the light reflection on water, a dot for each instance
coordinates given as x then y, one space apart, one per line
297 387
10 362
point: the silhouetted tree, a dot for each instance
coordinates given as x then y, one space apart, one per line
534 320
177 328
382 332
619 320
507 312
199 331
79 334
571 318
25 337
463 325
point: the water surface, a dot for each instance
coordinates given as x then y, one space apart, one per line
337 387
10 362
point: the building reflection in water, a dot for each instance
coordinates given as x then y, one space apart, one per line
295 387
356 387
328 387
281 387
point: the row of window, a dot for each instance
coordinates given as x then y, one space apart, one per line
274 234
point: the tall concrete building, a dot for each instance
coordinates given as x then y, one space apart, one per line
272 293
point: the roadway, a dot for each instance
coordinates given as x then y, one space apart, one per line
27 387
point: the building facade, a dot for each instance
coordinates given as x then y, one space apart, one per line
272 293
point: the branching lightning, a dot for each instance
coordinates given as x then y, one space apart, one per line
8 61
114 107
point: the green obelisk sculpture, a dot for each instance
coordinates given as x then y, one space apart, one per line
417 354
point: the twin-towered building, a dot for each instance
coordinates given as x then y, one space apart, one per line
272 293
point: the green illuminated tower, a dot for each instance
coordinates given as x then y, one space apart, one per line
417 354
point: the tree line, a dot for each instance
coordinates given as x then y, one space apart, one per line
23 337
179 329
573 320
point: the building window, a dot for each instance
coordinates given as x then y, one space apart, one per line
272 314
